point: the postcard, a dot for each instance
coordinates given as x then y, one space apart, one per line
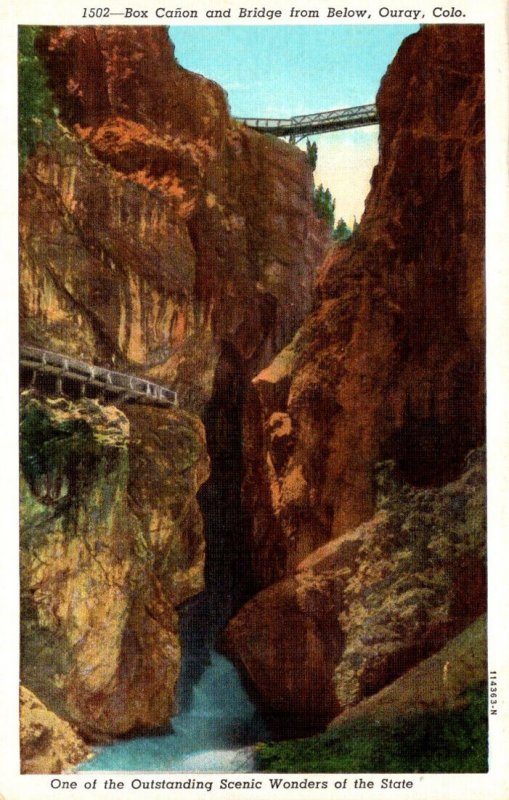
254 417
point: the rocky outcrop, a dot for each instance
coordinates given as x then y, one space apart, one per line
437 683
106 555
48 744
153 227
433 719
159 236
367 606
390 364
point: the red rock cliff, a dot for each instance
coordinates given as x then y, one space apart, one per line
155 227
390 365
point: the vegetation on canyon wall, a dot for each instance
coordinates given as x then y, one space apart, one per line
449 741
36 112
370 604
106 555
434 718
147 215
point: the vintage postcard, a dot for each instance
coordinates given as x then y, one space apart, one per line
256 440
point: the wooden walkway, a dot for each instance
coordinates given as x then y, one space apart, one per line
64 368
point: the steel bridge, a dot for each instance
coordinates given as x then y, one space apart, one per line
311 124
66 371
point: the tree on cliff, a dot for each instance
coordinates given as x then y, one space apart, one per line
341 232
324 205
36 115
312 153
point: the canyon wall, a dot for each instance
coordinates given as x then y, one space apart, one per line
161 238
158 237
48 744
389 367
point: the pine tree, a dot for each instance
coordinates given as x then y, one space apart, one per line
341 232
324 205
312 153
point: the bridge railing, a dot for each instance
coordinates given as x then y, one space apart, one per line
262 122
131 386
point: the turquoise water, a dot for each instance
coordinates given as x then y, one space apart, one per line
211 735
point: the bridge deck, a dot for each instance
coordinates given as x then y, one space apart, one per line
127 387
309 124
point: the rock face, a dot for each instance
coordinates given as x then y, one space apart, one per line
154 227
162 238
111 542
388 366
48 744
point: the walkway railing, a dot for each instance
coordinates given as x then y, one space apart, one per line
126 387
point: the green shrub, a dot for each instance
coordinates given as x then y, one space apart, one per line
341 232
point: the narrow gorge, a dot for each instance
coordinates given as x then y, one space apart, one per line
298 548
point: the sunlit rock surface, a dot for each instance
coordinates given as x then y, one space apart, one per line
391 362
154 233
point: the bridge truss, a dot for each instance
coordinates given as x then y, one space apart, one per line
297 128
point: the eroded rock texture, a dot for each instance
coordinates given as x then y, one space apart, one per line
365 607
440 681
390 365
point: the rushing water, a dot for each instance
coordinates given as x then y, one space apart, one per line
208 736
217 720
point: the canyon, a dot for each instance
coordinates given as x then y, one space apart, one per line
323 478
